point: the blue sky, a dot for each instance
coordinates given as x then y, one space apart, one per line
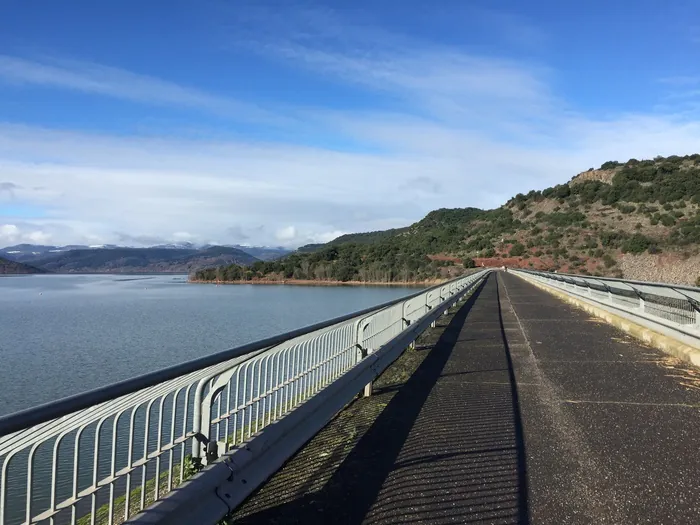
291 122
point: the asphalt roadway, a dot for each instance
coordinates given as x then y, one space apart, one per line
525 410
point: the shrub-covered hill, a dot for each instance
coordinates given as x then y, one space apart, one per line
8 267
638 219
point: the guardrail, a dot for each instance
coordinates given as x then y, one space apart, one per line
668 308
190 442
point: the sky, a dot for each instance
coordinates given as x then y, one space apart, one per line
282 123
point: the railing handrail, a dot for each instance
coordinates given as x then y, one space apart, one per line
55 409
614 279
234 474
671 310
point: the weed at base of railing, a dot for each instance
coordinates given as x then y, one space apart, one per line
102 513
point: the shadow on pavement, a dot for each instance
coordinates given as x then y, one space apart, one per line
441 451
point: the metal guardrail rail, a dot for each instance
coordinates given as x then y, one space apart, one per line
188 443
671 309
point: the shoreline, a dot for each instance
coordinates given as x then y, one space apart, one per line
310 282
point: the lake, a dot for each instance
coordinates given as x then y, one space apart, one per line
64 334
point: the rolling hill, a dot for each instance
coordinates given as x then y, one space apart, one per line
140 260
8 267
356 238
637 219
34 252
264 253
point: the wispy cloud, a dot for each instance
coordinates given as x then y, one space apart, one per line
237 233
512 28
87 77
681 80
441 127
96 185
9 188
435 81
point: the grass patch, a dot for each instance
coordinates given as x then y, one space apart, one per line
102 514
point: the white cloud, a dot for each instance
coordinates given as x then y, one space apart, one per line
9 231
286 234
174 190
324 237
38 237
183 237
13 234
464 130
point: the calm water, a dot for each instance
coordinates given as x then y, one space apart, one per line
63 334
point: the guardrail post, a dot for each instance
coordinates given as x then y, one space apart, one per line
363 352
367 391
406 324
428 308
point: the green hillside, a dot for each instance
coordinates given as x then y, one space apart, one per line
631 219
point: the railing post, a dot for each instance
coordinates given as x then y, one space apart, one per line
407 322
367 391
197 422
363 352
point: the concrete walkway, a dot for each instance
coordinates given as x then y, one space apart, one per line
525 410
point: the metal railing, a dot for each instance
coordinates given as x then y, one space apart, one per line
659 305
106 455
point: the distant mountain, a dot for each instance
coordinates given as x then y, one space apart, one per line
119 260
264 253
12 267
30 253
178 246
